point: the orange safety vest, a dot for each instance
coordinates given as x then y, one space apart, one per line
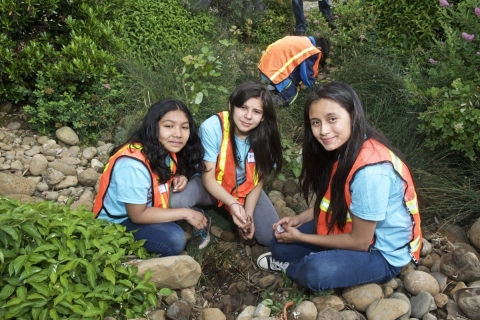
373 152
133 151
284 55
225 171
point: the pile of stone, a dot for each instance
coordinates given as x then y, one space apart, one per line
446 285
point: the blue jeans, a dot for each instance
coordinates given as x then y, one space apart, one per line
300 23
325 7
167 239
318 269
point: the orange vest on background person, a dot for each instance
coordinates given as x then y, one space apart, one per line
225 171
133 151
373 152
284 55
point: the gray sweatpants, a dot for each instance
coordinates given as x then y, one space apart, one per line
195 195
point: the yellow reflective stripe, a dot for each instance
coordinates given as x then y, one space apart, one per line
397 163
255 178
412 205
324 204
415 244
349 218
276 74
223 147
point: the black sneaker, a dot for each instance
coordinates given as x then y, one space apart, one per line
268 263
203 234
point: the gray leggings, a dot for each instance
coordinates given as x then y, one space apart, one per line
195 195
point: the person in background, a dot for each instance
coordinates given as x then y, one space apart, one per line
146 172
300 22
242 148
326 9
364 226
292 62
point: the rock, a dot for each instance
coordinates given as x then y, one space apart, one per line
261 311
67 182
89 153
417 281
460 265
6 106
386 309
66 169
277 185
468 300
403 297
421 304
88 177
176 272
426 248
212 314
52 176
334 302
467 248
329 314
363 295
454 233
305 310
179 310
290 187
13 126
188 294
10 185
67 135
474 234
38 165
267 281
247 313
440 299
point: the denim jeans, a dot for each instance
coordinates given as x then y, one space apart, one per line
325 7
167 239
318 269
300 23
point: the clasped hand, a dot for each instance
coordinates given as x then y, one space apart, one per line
243 221
179 183
290 231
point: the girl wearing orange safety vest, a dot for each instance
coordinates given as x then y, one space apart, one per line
242 147
364 226
146 173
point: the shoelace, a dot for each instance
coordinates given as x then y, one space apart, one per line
278 264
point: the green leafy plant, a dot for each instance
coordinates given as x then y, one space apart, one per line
62 264
67 41
197 72
292 155
453 118
153 30
55 104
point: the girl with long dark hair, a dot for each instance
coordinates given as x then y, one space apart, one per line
365 223
242 148
146 180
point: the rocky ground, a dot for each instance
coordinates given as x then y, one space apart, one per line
223 282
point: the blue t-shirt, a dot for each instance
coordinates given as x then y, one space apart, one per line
130 183
211 136
377 195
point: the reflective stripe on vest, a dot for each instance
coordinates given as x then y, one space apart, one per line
284 55
225 171
373 152
133 151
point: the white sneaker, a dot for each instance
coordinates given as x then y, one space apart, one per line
268 263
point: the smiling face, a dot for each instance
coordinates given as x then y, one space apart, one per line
247 117
173 131
330 122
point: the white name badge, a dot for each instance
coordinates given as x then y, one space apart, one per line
250 157
163 188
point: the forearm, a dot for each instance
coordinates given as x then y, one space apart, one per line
157 215
252 198
216 190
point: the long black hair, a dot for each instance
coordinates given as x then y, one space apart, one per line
318 162
264 139
189 159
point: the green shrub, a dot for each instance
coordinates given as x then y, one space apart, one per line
68 41
62 264
406 24
155 29
445 79
89 113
